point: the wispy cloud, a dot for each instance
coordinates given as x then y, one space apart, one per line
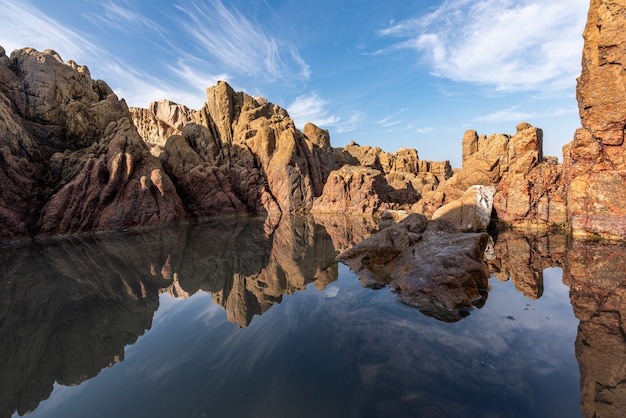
391 120
311 108
124 16
510 45
424 131
23 25
241 44
350 124
514 114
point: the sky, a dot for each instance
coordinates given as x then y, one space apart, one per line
393 74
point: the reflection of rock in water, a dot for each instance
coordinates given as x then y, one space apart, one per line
249 265
430 264
522 259
68 308
596 274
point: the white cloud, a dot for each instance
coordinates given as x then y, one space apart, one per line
311 108
510 45
23 25
122 15
391 120
351 124
513 114
424 131
240 43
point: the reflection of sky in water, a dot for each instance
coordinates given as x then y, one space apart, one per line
345 351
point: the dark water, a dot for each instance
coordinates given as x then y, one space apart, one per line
255 319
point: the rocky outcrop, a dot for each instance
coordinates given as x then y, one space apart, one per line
72 161
471 212
594 163
159 121
529 186
371 181
453 281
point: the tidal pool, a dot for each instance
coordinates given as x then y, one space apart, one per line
254 318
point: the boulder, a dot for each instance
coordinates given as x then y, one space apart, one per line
447 286
472 211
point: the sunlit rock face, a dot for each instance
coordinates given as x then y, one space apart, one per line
72 161
371 180
471 212
159 121
595 167
528 185
595 274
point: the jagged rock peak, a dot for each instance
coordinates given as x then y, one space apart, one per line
72 160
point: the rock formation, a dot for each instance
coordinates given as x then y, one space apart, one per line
71 160
471 212
594 163
595 275
371 180
159 121
529 186
447 286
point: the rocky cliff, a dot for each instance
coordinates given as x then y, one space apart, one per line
594 163
70 158
74 158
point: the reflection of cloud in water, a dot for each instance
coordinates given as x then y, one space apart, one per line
331 291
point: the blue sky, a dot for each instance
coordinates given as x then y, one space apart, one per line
387 73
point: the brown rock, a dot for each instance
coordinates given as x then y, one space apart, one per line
452 281
69 147
595 275
594 164
159 121
354 190
529 188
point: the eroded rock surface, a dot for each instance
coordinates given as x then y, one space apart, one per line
595 167
529 187
430 264
72 161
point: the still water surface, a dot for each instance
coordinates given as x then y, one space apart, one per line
255 319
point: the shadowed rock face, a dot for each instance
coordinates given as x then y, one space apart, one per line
71 160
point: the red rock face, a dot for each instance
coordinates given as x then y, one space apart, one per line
71 159
594 162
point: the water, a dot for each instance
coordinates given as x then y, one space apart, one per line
255 319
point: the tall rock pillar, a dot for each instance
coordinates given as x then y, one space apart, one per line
595 161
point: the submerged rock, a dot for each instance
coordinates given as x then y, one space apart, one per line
430 264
